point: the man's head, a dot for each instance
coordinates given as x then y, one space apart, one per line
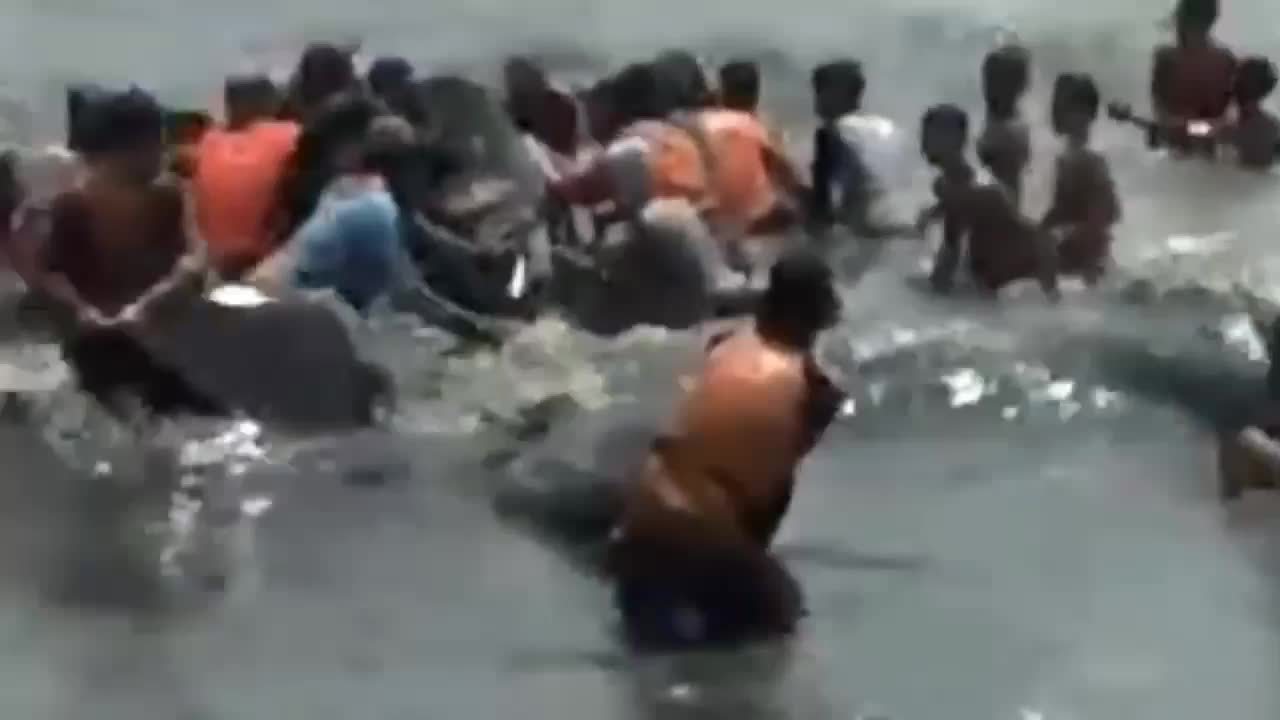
740 85
837 88
944 133
127 135
635 94
801 300
335 137
682 81
323 71
1075 104
388 77
82 103
249 98
1255 80
526 86
1194 19
1005 75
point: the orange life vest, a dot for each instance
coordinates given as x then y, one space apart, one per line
741 183
739 434
677 168
234 186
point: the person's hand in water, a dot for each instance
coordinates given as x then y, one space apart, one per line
91 318
131 314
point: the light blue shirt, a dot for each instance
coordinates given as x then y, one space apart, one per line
351 243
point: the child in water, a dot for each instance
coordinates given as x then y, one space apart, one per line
1005 144
1085 205
691 553
978 217
1254 135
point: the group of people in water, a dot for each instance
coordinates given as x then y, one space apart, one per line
335 181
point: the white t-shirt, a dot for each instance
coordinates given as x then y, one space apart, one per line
882 152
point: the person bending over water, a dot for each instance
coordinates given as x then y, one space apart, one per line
237 170
1192 79
978 218
1004 147
344 224
118 244
848 169
690 554
1085 205
652 174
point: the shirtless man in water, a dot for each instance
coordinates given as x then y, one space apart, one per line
1004 147
1085 205
1254 133
691 552
1192 79
979 219
118 244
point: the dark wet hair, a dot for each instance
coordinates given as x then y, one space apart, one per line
82 102
1079 91
801 298
524 72
10 185
342 120
323 71
123 121
740 85
1255 80
635 94
389 76
843 76
252 94
397 160
945 116
1197 14
682 83
1006 73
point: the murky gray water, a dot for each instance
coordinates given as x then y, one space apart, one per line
1020 523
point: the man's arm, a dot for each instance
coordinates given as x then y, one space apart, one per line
190 268
948 257
822 406
822 173
68 238
588 186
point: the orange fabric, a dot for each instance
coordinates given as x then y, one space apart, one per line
675 164
738 436
743 190
234 186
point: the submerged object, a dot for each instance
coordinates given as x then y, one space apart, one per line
287 361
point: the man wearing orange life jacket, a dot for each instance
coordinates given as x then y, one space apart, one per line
691 552
236 174
649 158
654 175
